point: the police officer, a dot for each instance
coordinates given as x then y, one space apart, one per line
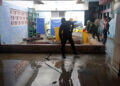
65 34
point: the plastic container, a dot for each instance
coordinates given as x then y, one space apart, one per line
85 36
57 34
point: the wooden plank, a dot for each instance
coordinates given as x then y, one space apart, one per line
51 48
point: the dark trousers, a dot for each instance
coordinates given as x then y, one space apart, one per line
104 40
96 34
63 42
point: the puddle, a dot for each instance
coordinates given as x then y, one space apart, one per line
82 70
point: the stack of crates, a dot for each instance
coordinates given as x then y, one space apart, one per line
32 22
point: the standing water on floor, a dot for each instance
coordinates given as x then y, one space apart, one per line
52 70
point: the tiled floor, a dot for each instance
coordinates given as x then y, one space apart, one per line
52 70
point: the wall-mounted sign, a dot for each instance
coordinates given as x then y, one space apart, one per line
18 17
104 2
0 2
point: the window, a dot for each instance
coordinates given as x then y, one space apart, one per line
58 14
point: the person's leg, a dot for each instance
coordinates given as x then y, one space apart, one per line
93 34
105 37
98 37
102 37
105 40
72 45
63 47
93 31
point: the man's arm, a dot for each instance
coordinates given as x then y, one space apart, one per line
72 26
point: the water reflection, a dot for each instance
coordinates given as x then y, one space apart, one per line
73 71
36 73
65 77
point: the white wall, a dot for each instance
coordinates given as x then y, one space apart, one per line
116 4
45 15
23 4
90 0
76 15
61 6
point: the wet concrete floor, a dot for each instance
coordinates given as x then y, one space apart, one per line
52 70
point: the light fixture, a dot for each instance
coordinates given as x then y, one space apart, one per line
38 2
79 1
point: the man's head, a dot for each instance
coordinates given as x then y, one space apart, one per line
105 17
88 21
63 20
71 19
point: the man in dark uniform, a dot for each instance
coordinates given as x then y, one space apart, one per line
65 34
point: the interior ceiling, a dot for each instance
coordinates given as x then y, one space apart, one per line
53 5
58 0
43 1
49 1
55 0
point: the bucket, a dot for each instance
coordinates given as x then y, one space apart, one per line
85 37
57 34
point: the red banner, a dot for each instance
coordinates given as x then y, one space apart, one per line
104 2
0 2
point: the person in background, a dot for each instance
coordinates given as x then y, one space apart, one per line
106 30
104 34
88 26
65 34
108 20
95 29
70 22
